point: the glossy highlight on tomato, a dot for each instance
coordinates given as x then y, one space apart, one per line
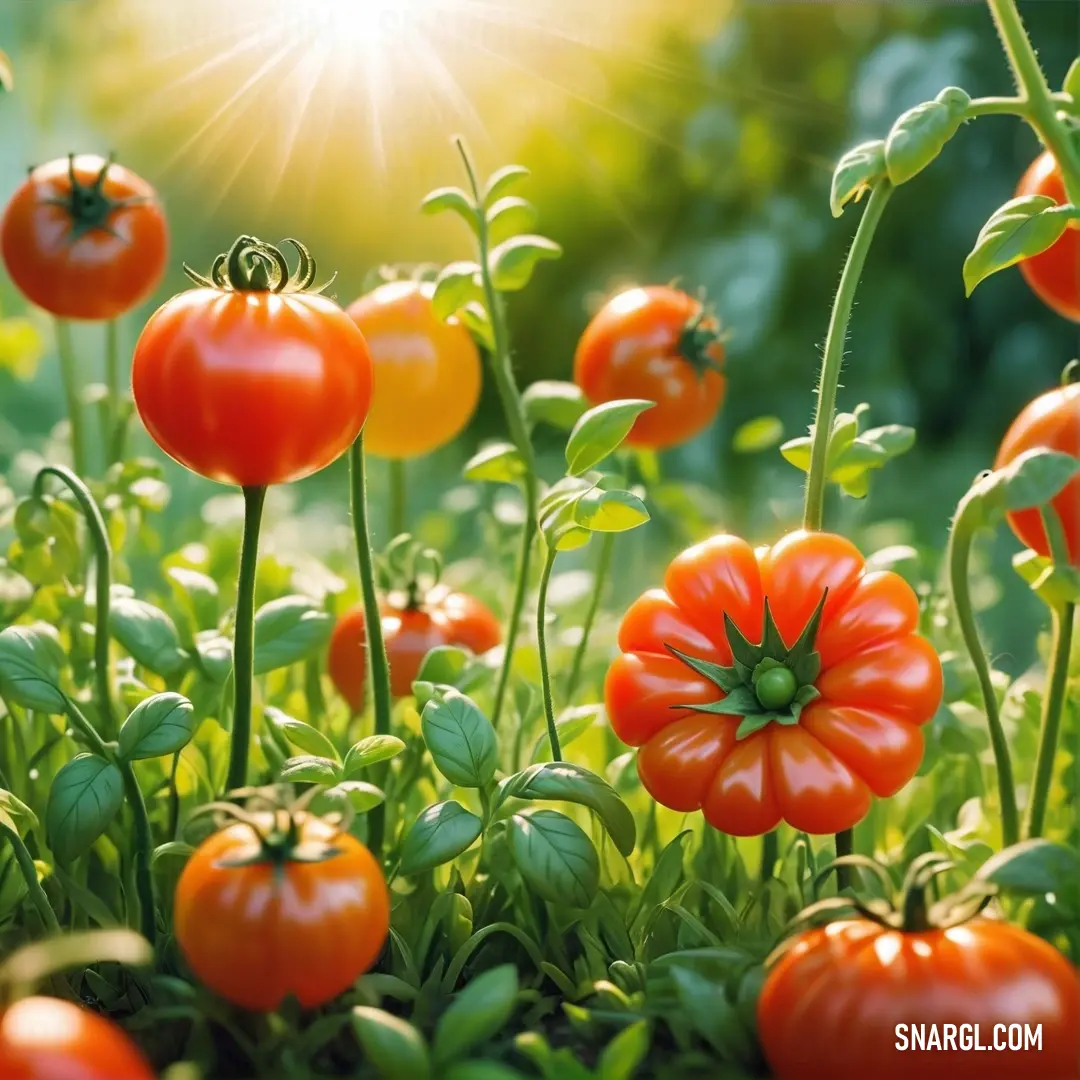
831 1004
410 632
1051 422
427 371
1053 274
879 682
258 926
43 1038
89 249
656 344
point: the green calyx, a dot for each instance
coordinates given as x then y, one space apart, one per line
408 567
88 205
767 682
251 265
699 342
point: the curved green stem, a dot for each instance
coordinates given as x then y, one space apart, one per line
399 501
998 106
1035 91
69 375
99 537
833 359
541 640
380 669
1053 705
603 566
244 640
33 885
503 374
958 556
144 845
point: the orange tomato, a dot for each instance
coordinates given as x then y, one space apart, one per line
878 682
1051 422
427 372
258 924
655 344
84 238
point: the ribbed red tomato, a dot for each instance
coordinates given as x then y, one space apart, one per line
807 738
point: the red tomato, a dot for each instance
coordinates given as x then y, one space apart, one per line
1050 422
85 239
832 1004
257 925
1054 274
251 386
657 345
879 681
444 618
42 1038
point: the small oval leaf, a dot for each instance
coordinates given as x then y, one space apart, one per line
460 738
391 1044
301 735
501 181
512 262
288 630
457 285
475 1015
30 663
555 857
920 134
549 401
600 432
148 634
609 511
509 217
159 725
761 433
311 769
857 171
499 463
85 796
370 751
451 199
441 833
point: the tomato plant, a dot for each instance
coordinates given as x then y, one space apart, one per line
659 344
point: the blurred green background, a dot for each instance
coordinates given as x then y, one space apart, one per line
667 138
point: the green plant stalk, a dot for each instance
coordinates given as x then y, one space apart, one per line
69 376
503 374
1053 706
33 885
769 852
541 640
380 668
603 567
399 499
244 640
99 537
112 445
958 557
1041 104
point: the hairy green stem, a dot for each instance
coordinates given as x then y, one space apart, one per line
1053 705
244 640
541 640
399 499
603 567
997 106
380 668
833 360
33 885
958 557
99 538
69 375
770 849
503 374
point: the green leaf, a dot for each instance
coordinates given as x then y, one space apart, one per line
798 452
159 725
555 857
288 630
444 665
370 751
1034 867
198 592
625 1053
148 634
16 594
311 769
570 725
705 1004
1021 228
510 216
474 317
609 511
7 72
564 781
1071 85
451 199
85 796
30 664
857 171
301 735
215 655
460 738
600 432
559 404
457 285
21 343
441 833
762 433
502 181
357 794
725 678
921 133
513 261
476 1015
499 463
16 811
393 1046
1032 479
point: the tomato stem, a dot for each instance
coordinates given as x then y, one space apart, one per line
541 640
99 537
1053 705
244 639
144 844
833 360
603 567
30 876
845 846
769 853
69 376
399 498
380 669
959 554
